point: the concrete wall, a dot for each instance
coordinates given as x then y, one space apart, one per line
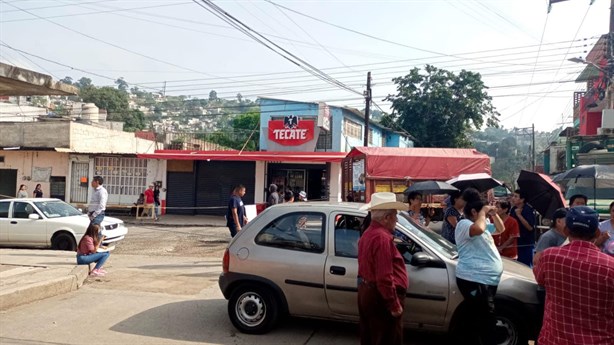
92 139
35 134
26 161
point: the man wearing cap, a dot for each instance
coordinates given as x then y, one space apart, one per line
579 281
382 277
554 237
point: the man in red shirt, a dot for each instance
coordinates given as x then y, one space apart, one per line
579 282
507 241
382 277
149 202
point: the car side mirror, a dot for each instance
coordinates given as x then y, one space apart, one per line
421 259
34 216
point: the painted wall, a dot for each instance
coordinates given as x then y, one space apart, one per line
25 161
273 108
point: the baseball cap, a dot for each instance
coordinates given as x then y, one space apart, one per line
559 213
582 219
302 194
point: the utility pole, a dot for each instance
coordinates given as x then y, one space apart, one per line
533 145
164 90
368 108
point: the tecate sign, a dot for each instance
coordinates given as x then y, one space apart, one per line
291 131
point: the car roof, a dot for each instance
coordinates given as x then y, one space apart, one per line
30 199
321 204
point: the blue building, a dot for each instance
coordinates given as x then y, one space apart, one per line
295 126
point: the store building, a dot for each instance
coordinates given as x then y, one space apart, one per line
301 144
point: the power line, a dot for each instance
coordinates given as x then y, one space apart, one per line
225 16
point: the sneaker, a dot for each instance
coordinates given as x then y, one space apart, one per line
102 270
96 273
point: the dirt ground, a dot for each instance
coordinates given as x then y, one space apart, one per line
177 261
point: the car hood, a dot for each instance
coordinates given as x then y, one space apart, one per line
514 269
518 282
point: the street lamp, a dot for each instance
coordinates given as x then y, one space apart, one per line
581 60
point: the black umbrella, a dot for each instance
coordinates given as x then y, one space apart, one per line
431 187
480 181
540 192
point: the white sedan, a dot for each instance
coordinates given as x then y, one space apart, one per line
50 223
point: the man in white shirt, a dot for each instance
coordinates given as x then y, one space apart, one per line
98 201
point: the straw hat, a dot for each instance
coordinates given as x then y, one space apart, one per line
384 201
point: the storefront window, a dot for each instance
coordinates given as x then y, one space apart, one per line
122 175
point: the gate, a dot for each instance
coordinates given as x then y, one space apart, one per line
8 183
78 192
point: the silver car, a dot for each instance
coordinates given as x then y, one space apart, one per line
300 259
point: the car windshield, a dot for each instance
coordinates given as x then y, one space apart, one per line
57 209
429 237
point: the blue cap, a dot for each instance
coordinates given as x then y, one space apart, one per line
582 219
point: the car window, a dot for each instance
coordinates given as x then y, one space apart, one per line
303 231
347 233
4 209
57 209
22 209
430 237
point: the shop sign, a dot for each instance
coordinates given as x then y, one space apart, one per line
291 131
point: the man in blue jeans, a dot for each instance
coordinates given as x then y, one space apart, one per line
523 213
98 201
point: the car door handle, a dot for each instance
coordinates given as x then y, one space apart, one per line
14 222
337 270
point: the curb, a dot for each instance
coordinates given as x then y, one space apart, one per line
37 291
182 225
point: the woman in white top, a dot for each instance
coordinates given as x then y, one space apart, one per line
23 191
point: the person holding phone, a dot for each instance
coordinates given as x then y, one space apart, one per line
87 251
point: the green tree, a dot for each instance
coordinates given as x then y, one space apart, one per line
212 95
116 103
84 83
244 131
439 108
66 80
122 84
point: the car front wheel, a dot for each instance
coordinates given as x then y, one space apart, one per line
253 309
63 241
510 327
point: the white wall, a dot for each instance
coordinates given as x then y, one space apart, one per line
260 181
93 139
335 182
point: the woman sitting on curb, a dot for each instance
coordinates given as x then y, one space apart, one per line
87 251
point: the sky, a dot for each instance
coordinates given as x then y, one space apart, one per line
519 48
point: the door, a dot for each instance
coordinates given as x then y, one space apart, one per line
4 221
180 193
215 181
8 187
57 187
78 189
25 231
341 269
427 294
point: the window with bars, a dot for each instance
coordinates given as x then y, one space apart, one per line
372 139
325 140
122 175
352 129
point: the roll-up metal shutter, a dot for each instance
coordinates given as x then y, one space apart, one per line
215 181
180 193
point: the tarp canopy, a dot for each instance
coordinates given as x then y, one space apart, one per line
267 156
420 163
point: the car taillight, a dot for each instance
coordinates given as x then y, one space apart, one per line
226 261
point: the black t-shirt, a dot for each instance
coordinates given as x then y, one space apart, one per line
235 202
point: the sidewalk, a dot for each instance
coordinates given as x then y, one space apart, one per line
28 275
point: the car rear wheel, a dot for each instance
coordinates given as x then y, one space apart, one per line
63 241
253 309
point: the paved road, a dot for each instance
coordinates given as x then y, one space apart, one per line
161 289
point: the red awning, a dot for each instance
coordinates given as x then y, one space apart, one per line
421 163
267 156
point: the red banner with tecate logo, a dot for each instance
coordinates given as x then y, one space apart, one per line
291 133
